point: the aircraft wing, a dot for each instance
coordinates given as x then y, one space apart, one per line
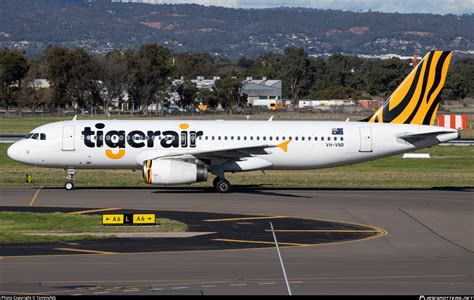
228 153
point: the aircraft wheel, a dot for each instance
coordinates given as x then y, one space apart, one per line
214 182
223 186
69 186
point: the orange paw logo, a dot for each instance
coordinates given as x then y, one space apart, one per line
112 155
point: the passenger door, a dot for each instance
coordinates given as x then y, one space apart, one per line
365 139
68 138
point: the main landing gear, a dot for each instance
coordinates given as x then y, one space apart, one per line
69 185
221 185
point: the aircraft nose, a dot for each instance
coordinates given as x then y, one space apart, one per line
12 152
16 152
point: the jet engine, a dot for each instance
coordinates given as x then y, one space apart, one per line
170 171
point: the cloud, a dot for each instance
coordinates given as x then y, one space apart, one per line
402 6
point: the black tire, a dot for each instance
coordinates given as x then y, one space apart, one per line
214 182
69 186
223 186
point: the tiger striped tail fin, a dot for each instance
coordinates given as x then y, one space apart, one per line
416 100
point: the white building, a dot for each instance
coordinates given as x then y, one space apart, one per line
324 103
262 92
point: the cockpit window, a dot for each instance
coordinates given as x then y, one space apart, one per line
29 135
43 136
35 136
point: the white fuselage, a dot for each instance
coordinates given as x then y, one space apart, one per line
312 144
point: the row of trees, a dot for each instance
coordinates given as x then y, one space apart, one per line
82 80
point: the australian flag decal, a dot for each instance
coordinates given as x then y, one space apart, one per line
338 131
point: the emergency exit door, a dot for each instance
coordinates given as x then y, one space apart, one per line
365 139
68 138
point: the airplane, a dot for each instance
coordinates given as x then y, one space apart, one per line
185 152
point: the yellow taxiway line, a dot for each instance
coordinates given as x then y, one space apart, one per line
85 251
91 211
32 202
245 219
258 242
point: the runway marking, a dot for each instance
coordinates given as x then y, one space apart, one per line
101 293
130 291
91 211
266 283
246 218
86 251
329 230
208 286
238 284
180 288
32 202
258 242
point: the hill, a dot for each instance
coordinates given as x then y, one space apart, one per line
100 26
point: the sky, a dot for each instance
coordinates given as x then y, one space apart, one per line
458 7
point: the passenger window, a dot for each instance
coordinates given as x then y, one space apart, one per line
251 138
322 138
258 138
271 138
277 138
342 138
264 138
219 138
309 138
43 136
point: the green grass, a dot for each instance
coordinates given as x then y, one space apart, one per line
450 166
14 226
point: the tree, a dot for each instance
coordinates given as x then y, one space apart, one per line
460 81
296 69
33 93
152 79
187 93
13 67
83 85
228 92
59 64
114 77
191 65
387 75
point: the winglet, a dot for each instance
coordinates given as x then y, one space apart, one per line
271 119
75 118
284 146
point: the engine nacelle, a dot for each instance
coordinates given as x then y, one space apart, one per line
170 171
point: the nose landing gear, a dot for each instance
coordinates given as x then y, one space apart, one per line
69 185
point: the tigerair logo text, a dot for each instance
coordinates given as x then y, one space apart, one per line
120 139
